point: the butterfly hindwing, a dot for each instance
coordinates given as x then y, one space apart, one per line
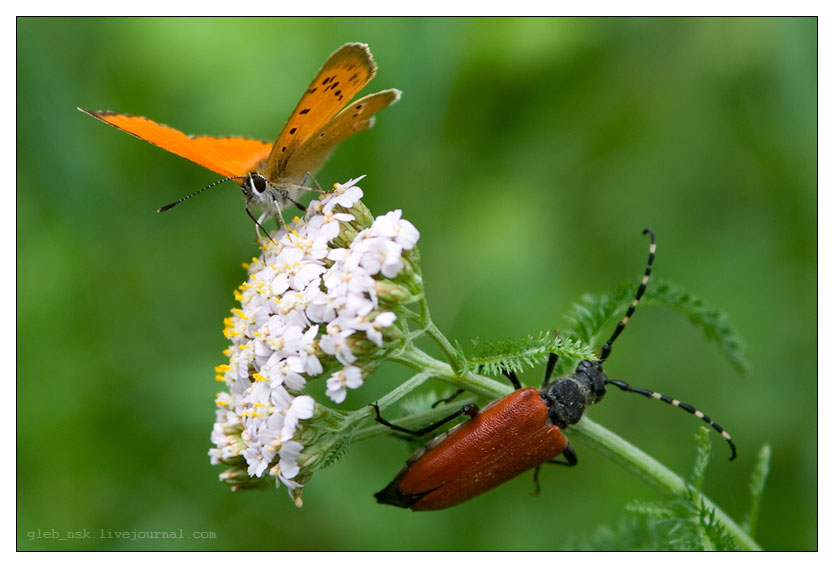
356 117
343 75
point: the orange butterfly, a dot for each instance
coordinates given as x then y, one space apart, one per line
272 175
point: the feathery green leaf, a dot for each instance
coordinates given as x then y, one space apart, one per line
683 522
704 446
590 316
757 486
713 321
496 357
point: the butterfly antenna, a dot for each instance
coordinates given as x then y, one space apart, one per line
190 195
606 349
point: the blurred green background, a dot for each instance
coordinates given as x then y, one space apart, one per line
530 153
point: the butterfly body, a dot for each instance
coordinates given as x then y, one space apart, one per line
272 176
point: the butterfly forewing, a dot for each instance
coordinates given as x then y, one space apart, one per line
229 156
354 118
343 75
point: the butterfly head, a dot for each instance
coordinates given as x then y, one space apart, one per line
269 196
253 186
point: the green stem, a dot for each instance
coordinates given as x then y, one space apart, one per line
419 360
405 388
432 330
444 344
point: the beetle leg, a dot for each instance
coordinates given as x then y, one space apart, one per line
537 488
570 460
570 457
509 374
448 399
513 379
468 409
551 366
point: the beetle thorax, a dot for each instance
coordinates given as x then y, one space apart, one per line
568 397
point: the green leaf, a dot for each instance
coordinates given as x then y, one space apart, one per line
496 357
713 534
629 533
675 525
713 321
335 451
655 510
757 486
701 458
684 521
593 313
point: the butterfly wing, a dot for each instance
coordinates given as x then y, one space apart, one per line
343 75
355 118
230 156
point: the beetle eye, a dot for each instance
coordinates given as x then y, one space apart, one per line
584 366
599 380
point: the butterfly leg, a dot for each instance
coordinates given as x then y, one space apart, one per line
314 180
280 219
299 205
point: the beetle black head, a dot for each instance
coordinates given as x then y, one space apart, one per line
567 398
592 373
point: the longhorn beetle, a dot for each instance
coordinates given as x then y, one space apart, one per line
519 432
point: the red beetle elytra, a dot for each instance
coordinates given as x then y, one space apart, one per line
519 432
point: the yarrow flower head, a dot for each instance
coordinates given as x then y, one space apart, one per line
321 301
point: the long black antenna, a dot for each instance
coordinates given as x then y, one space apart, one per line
190 195
606 349
674 402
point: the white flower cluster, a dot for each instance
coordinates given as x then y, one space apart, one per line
304 300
